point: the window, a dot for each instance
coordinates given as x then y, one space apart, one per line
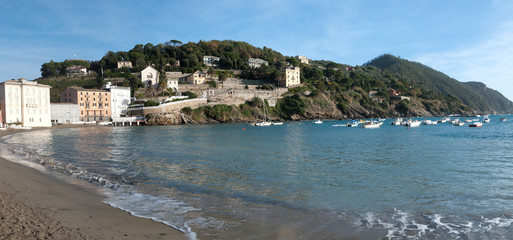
81 112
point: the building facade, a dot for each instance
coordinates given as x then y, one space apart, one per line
303 59
65 112
25 103
211 61
292 77
76 70
94 104
257 62
173 78
122 64
197 77
150 77
120 99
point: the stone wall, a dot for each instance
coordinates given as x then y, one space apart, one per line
168 107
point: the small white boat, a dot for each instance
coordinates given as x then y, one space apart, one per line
397 122
381 119
263 124
476 124
412 123
353 124
429 122
503 119
277 123
486 119
372 124
459 123
105 123
318 121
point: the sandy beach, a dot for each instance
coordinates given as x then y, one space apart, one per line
35 205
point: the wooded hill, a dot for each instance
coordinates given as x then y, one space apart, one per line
386 86
474 94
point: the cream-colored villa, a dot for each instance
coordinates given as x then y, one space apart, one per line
25 103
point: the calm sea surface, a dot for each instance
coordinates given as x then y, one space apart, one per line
296 181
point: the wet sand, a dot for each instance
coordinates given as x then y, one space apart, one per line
35 205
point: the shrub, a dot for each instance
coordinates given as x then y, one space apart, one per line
151 103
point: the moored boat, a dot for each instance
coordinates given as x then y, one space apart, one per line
318 121
429 122
372 124
503 119
412 123
476 124
353 123
397 122
486 119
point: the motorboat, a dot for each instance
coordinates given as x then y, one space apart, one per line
412 123
353 124
317 121
486 119
372 124
503 119
397 122
277 123
429 122
263 124
476 124
458 123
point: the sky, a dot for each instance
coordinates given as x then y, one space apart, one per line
467 40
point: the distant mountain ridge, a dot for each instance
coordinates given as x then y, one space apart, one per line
473 94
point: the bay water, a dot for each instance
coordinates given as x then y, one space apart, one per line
295 181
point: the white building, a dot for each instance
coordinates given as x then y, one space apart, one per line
76 70
211 61
65 112
122 64
173 78
303 59
292 77
119 100
150 77
257 62
26 103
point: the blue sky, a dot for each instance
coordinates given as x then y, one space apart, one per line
468 40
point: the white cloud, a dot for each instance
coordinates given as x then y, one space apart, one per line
488 61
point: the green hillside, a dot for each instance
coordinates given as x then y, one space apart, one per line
386 86
474 95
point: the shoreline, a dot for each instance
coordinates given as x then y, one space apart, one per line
37 205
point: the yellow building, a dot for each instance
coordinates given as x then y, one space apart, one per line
94 104
292 77
197 77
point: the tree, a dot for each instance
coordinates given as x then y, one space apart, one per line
222 77
173 43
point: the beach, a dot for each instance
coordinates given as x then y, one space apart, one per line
37 205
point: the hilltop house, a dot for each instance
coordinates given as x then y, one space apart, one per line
211 61
256 62
292 77
197 77
76 70
122 64
303 59
150 76
25 102
94 104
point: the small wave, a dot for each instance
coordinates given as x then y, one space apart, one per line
404 225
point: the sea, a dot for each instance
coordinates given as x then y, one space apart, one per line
295 181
